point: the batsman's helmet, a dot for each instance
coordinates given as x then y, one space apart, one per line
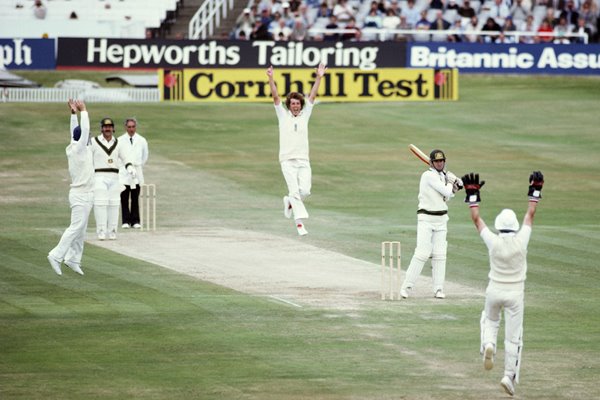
76 133
506 221
437 155
106 121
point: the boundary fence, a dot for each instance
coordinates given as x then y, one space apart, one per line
56 95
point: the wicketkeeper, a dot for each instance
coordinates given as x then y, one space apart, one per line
437 186
508 269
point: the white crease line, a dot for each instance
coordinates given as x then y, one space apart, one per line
285 301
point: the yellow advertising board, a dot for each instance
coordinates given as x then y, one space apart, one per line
339 85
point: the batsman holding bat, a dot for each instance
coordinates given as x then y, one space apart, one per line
508 269
437 186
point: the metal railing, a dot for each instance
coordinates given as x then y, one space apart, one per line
418 35
56 95
208 17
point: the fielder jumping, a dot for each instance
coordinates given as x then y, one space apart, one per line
108 153
81 195
437 186
508 269
293 146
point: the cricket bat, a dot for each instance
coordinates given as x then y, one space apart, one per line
420 155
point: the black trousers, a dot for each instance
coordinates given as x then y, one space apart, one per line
130 215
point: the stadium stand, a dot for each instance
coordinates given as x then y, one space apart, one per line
87 18
309 13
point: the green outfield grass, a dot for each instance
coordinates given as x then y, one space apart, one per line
129 329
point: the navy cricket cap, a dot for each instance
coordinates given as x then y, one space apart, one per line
76 133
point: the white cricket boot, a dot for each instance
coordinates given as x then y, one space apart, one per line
55 264
287 207
75 267
404 292
508 385
301 230
439 294
488 357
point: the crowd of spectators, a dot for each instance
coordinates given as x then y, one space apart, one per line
467 20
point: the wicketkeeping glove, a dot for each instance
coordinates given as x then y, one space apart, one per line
536 182
472 186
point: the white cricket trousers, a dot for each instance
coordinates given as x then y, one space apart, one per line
70 246
298 177
511 299
107 201
431 241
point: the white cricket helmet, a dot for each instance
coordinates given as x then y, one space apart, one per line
507 221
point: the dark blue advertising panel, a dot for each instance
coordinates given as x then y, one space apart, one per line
98 53
577 59
27 54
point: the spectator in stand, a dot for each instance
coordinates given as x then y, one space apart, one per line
466 11
390 21
281 31
545 32
39 10
372 21
560 30
439 24
332 37
275 23
499 11
245 23
260 31
277 7
452 5
289 17
551 16
509 26
295 5
299 31
374 6
490 26
265 16
581 28
570 13
343 11
412 13
394 6
519 11
422 25
324 11
457 37
355 35
403 25
473 26
589 13
436 4
307 17
528 26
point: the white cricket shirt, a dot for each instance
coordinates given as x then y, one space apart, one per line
433 191
293 132
79 156
508 256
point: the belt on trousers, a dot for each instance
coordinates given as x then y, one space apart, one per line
115 170
421 211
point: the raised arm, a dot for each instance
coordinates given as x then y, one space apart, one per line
536 182
473 198
85 122
274 93
320 73
74 122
